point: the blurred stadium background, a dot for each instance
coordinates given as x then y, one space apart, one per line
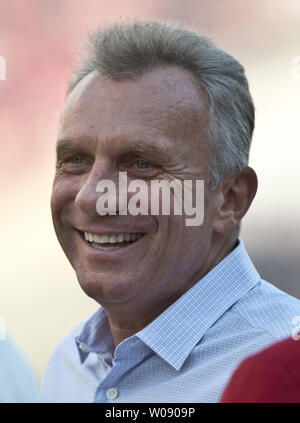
40 299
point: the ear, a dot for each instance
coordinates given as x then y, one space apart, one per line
234 199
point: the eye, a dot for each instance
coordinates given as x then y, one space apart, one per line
142 164
77 160
74 164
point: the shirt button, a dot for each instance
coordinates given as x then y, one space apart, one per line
112 393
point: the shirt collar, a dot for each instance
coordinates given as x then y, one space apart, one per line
175 332
95 336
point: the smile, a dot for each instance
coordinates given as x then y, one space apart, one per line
104 242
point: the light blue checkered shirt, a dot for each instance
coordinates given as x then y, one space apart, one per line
186 354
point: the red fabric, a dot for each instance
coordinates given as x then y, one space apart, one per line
269 376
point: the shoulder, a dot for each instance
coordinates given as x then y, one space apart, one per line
261 317
267 308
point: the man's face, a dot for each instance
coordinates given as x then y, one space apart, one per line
150 128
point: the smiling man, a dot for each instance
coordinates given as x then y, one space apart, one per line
181 305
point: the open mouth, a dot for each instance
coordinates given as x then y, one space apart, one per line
112 242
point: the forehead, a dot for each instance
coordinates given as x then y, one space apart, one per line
165 103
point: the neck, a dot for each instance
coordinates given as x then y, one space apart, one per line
130 317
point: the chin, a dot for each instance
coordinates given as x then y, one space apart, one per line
106 289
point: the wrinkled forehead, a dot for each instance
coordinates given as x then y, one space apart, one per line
168 99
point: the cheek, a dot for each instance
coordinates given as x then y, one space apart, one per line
62 199
63 194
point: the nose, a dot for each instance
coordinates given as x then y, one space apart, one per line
87 196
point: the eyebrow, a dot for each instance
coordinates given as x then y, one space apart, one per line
150 149
66 146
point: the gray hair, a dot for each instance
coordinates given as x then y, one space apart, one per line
126 50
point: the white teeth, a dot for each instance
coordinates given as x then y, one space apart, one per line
112 239
101 239
96 238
